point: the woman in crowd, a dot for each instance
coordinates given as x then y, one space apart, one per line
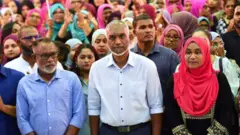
188 5
224 16
103 14
10 28
11 49
199 99
83 59
217 40
73 44
25 7
187 22
34 19
173 38
7 16
57 16
15 6
203 23
221 64
99 42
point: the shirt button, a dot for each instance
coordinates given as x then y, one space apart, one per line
48 100
120 84
120 96
121 108
121 72
50 127
122 120
49 114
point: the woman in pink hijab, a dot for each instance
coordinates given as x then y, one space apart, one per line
103 14
34 18
175 2
173 38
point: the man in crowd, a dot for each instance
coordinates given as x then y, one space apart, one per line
165 59
8 88
232 39
49 101
26 62
124 89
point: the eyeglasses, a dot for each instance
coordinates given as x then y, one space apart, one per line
46 56
30 38
173 38
35 16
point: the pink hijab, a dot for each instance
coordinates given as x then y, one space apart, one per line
100 18
171 8
179 3
196 90
180 34
39 27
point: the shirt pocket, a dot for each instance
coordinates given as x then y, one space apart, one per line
138 92
63 99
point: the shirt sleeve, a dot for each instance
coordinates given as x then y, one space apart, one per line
154 90
23 111
94 100
78 101
231 73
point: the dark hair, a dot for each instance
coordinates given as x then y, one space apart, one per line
225 2
113 15
140 17
7 30
63 50
206 32
27 3
78 51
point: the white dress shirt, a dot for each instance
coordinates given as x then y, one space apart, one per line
126 96
23 66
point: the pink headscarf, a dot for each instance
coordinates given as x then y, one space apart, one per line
39 27
180 34
100 18
179 3
170 8
90 8
197 5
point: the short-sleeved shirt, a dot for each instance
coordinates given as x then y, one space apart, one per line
8 88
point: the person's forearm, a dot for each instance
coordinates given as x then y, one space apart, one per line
32 133
72 130
63 31
94 125
49 33
9 110
156 124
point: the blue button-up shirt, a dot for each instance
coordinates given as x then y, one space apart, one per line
165 59
8 88
124 96
49 108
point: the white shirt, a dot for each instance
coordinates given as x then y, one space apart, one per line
23 66
125 96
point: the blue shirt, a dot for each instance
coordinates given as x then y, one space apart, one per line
165 59
8 88
49 108
124 96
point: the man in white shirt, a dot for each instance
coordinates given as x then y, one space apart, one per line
124 90
26 62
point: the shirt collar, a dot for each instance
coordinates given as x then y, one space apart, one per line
57 75
3 71
155 48
130 61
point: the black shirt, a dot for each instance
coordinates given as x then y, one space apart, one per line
232 45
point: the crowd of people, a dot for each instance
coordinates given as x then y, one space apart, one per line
119 67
